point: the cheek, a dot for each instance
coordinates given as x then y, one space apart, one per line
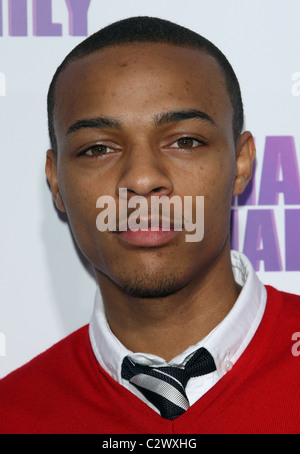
79 196
215 183
213 180
218 202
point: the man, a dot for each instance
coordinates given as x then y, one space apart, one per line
184 338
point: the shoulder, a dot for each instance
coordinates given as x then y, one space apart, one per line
290 303
283 309
60 355
62 349
33 388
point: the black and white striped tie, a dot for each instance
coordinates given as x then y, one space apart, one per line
165 386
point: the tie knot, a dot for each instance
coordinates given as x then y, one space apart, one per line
165 385
200 363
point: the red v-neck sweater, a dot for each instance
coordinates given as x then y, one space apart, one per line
64 390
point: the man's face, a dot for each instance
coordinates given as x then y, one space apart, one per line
145 142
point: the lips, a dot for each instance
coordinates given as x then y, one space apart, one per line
153 232
147 238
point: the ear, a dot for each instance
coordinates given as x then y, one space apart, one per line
245 155
51 174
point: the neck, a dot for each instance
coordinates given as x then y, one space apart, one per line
167 326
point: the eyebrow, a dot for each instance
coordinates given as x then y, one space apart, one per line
96 123
159 119
181 115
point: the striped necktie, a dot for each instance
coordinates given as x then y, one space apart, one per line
165 386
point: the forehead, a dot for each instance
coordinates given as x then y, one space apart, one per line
119 80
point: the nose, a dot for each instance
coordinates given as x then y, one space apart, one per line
144 173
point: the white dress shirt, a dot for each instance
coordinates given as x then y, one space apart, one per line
226 342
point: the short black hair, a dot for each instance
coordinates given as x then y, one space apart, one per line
144 29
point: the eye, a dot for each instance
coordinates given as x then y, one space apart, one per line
187 143
97 151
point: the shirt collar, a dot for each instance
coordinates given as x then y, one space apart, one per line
226 342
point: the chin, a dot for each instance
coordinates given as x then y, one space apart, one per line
150 287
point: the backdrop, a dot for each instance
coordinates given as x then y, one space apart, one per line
47 290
